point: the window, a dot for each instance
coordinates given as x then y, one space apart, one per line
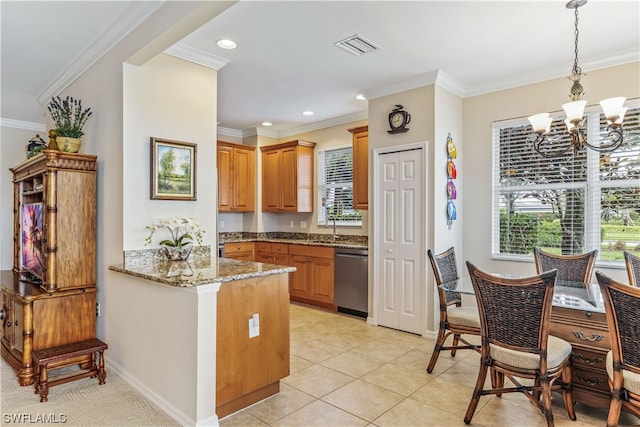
335 177
571 204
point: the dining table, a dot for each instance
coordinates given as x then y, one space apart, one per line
577 316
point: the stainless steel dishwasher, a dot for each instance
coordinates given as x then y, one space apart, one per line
351 281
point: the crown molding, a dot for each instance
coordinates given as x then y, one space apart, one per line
541 75
136 13
229 132
21 124
197 56
336 121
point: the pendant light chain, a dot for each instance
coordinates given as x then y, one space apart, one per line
576 69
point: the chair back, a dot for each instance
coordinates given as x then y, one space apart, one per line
445 269
633 268
576 268
622 306
514 312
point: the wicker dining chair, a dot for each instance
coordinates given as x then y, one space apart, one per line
515 318
633 268
576 268
455 319
622 306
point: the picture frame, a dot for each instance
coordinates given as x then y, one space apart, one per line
173 170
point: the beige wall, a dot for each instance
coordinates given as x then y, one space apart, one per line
481 111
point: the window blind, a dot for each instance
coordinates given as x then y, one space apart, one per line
569 204
335 176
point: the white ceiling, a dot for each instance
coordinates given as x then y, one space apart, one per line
286 61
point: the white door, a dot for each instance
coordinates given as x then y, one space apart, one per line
399 257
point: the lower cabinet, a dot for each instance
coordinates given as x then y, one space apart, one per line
242 251
312 282
251 363
589 336
273 253
33 320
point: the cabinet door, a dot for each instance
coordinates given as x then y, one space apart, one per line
240 256
360 169
300 280
322 280
7 320
225 189
245 183
265 257
289 179
271 179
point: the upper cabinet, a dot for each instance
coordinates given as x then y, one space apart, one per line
236 177
360 138
287 177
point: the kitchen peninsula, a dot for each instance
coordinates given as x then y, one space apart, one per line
244 305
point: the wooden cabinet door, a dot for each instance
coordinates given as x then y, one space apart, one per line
267 258
360 142
271 181
322 272
300 280
225 181
244 180
289 179
7 320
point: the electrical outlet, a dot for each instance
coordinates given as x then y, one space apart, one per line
221 224
290 224
98 310
254 325
303 224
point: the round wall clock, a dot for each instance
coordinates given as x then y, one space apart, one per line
398 120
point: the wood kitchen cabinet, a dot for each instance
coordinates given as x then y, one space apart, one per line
242 251
312 282
236 177
588 334
249 367
273 253
360 141
287 177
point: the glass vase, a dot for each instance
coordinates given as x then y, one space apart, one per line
175 253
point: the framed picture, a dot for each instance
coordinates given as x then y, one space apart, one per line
173 170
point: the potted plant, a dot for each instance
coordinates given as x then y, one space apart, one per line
183 232
69 118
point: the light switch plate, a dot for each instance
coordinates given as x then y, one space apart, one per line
254 326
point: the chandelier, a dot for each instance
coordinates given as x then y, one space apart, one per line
613 108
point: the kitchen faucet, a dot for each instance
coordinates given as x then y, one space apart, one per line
326 224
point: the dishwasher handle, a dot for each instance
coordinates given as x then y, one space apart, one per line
351 255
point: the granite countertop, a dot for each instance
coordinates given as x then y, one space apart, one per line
336 244
199 270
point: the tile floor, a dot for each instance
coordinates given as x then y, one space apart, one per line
345 372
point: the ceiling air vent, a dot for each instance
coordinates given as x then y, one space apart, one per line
357 45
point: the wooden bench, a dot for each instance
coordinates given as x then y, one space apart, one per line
43 357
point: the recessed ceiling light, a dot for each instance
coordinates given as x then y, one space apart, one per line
267 124
360 97
308 113
226 44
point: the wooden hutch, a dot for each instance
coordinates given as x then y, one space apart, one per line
49 297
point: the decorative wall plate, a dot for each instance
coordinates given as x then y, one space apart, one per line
451 148
451 170
452 193
451 211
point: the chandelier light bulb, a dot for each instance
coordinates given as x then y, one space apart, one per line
613 108
541 123
574 110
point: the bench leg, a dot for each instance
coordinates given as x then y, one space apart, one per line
102 374
43 386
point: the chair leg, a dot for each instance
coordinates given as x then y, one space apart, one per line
567 393
436 349
546 401
456 341
477 392
614 409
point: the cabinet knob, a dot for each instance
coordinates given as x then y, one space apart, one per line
15 322
1 314
8 324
